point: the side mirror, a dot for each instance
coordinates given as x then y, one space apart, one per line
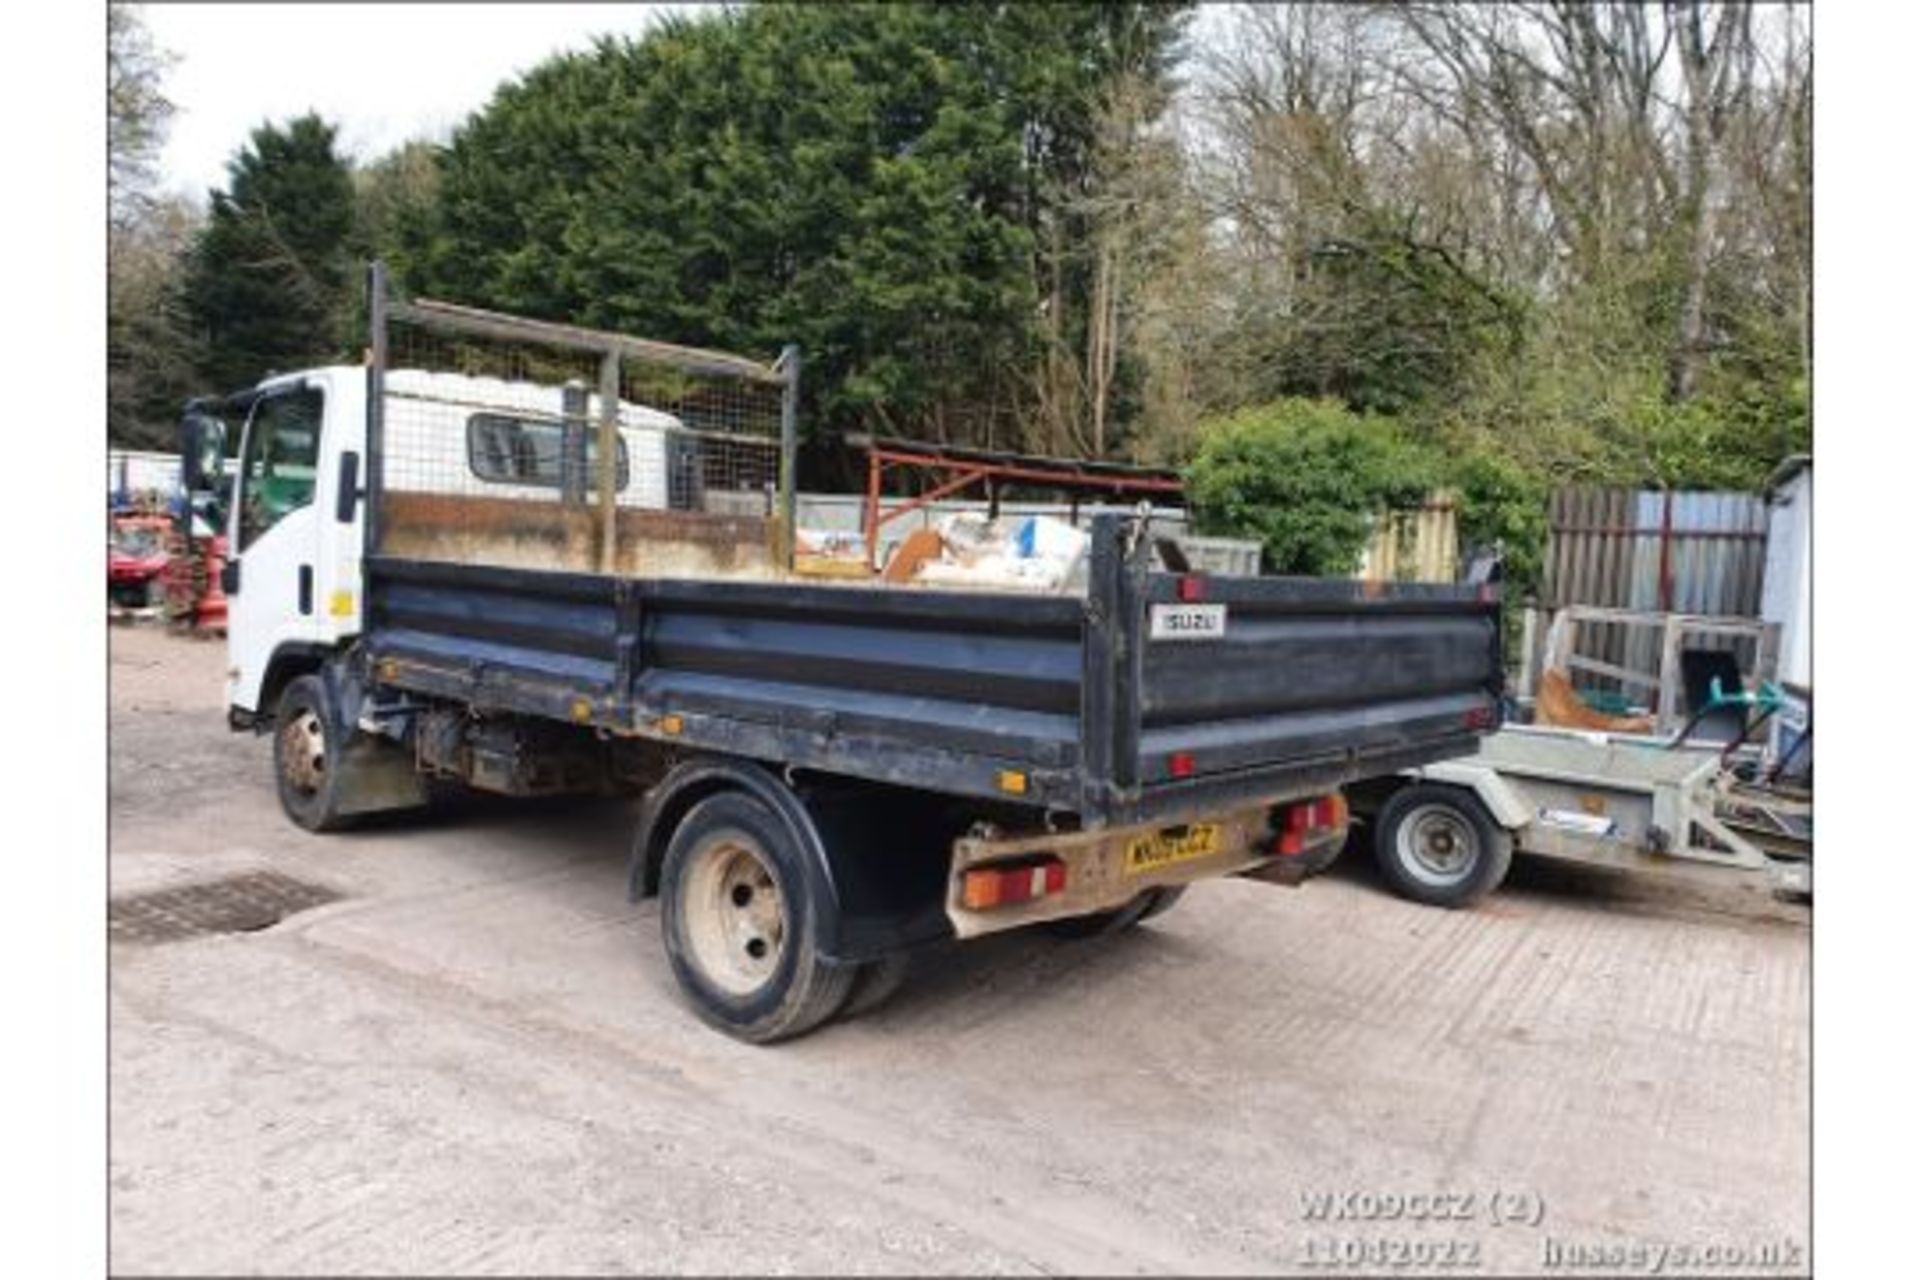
203 452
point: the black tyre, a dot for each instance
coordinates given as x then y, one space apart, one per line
738 918
1144 905
1163 900
875 984
1312 864
306 756
132 595
1438 845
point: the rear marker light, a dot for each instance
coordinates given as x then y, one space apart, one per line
1326 813
1332 810
986 887
1180 764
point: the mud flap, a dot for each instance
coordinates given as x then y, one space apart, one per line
377 775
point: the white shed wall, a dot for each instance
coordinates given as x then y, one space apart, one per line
1787 597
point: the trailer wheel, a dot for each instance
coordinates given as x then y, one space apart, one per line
738 919
1439 845
306 756
1145 905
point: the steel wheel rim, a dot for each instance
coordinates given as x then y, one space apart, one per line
734 915
1437 845
303 752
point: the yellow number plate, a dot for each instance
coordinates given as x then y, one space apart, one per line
1164 848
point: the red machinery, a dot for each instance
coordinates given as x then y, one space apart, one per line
192 581
136 559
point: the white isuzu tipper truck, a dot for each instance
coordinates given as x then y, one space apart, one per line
537 559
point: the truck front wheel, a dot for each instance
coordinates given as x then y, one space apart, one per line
306 756
738 918
1438 845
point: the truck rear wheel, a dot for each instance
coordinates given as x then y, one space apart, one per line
738 919
1438 845
1144 906
875 983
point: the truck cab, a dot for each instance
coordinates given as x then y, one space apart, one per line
294 529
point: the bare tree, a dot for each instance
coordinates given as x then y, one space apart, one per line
1623 115
1716 61
137 113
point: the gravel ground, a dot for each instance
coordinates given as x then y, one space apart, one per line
475 1061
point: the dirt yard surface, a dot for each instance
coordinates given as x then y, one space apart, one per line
475 1061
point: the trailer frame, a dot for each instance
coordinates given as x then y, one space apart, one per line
1623 802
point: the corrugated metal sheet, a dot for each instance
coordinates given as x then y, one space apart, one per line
1653 550
1236 557
133 471
1415 546
1681 552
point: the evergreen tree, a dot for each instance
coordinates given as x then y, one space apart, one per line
267 286
881 184
152 362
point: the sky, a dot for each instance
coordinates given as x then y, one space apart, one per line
384 73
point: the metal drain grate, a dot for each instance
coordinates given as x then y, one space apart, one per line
237 904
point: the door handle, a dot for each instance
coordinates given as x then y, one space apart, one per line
306 589
230 577
348 493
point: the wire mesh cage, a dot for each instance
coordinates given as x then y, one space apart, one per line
506 441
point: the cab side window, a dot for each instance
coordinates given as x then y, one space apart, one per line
502 449
282 456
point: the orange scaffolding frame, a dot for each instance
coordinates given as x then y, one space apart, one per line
965 467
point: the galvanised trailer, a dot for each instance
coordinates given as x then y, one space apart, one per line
1445 833
833 773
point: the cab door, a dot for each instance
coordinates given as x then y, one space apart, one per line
274 533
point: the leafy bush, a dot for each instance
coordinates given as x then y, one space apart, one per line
1720 442
1499 504
1308 478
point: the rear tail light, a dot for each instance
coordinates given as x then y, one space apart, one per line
1480 718
1180 764
1310 818
984 888
1193 589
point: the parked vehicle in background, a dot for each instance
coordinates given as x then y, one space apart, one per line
833 773
136 558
